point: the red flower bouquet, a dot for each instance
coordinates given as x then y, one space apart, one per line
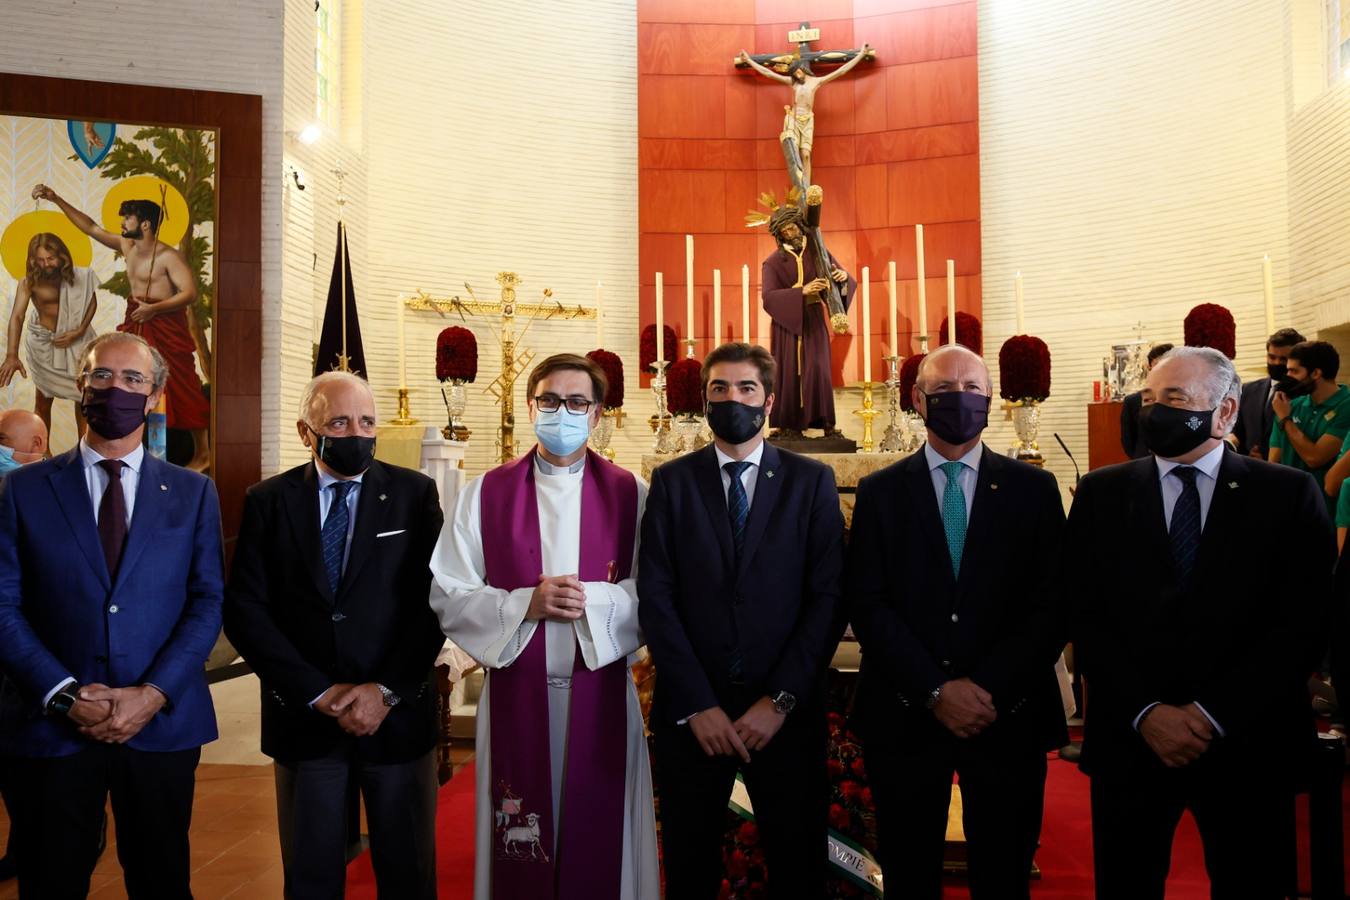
1211 325
613 367
969 332
1024 368
647 346
909 373
684 388
456 355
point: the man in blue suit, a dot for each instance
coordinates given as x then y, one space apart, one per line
110 595
739 598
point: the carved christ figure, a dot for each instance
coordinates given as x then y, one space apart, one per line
799 121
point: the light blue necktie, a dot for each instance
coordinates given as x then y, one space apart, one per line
334 537
954 513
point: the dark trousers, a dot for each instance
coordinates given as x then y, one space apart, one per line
58 808
400 803
1002 779
788 788
1246 822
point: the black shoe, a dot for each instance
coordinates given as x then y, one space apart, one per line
8 868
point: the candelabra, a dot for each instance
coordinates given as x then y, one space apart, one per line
688 347
868 413
660 422
892 441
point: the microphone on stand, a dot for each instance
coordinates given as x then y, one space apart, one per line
1065 448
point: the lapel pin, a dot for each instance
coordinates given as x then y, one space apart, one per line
1232 484
993 487
384 497
163 487
768 474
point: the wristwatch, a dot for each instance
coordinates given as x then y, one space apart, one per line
783 702
933 698
390 698
63 699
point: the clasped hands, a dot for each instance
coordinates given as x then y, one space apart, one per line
1179 735
115 715
558 598
964 708
358 708
719 736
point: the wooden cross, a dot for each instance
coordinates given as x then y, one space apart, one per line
803 38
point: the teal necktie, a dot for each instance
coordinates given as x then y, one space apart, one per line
954 513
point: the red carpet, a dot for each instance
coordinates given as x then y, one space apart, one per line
1065 857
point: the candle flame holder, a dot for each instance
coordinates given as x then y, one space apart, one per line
664 443
867 413
404 416
892 441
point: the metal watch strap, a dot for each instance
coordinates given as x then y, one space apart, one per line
933 697
390 698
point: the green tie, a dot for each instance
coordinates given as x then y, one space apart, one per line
954 514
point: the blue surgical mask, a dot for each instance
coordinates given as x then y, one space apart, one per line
562 433
7 462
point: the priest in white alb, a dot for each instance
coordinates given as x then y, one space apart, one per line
534 577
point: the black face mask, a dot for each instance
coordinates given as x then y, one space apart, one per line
1293 388
957 416
735 422
1277 371
1171 432
349 456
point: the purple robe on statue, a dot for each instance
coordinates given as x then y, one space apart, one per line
799 342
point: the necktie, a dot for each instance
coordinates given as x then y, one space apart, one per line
738 504
954 513
1185 528
112 516
334 536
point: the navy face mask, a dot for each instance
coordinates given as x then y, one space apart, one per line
957 416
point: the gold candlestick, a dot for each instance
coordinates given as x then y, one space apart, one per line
404 416
868 413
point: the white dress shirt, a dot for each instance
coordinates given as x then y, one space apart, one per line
749 477
96 481
1208 468
969 477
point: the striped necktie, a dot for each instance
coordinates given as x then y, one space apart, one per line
1184 531
738 504
334 537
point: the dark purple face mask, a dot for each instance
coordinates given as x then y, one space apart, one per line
957 416
113 413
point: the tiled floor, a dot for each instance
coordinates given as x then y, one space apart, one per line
234 837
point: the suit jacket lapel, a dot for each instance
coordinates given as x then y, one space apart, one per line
709 480
371 504
146 515
1220 520
72 493
302 509
767 483
983 511
927 516
1148 520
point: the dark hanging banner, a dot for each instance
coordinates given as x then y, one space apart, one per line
330 354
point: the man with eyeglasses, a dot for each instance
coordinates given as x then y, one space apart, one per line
110 595
534 578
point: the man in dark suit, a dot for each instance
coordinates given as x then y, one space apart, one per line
739 580
1194 641
110 593
1131 441
958 670
327 601
1251 433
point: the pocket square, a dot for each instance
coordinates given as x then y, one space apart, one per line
390 533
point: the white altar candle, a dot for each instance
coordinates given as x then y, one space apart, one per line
1269 289
923 288
951 301
745 304
894 328
599 319
402 356
660 315
1017 293
689 285
867 323
717 307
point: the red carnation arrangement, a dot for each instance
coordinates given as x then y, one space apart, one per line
1024 368
613 367
684 388
969 332
456 355
1211 325
909 373
647 346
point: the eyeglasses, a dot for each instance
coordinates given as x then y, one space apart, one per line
551 402
101 378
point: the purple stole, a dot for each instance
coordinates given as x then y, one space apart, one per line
589 861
